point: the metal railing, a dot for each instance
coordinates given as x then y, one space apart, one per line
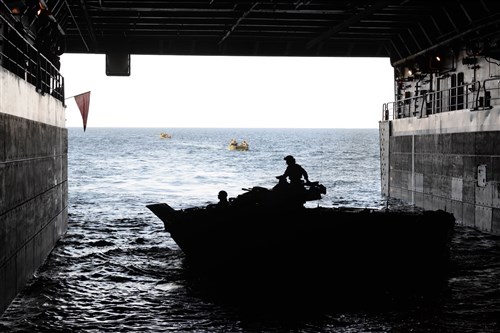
473 96
21 58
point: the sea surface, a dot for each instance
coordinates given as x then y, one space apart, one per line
117 270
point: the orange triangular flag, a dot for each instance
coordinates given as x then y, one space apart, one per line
83 101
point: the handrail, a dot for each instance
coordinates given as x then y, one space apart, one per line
474 96
20 57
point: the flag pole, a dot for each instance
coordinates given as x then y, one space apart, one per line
76 95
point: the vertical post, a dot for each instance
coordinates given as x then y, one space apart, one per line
384 137
2 34
413 169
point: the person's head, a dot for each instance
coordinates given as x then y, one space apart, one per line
289 159
222 195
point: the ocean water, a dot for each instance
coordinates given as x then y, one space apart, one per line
117 270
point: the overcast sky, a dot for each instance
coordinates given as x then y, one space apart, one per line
252 92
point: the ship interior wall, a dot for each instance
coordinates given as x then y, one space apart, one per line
445 171
440 138
33 181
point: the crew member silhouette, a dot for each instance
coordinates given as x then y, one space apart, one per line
223 203
294 172
294 191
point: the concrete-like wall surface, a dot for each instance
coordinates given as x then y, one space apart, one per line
451 162
33 181
384 133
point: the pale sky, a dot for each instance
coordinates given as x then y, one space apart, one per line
238 92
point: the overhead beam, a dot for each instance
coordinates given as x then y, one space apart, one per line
414 38
466 13
77 26
447 13
353 19
429 41
230 31
89 23
492 20
319 12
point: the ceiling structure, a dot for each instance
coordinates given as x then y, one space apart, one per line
346 28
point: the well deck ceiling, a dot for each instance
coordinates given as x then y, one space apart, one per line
395 29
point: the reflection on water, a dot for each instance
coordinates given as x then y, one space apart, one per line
117 270
129 276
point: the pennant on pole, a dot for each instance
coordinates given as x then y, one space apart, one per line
83 101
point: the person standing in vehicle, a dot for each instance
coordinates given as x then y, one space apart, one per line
294 192
294 172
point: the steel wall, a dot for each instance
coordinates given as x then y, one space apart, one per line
434 163
33 181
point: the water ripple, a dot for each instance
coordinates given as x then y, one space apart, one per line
117 270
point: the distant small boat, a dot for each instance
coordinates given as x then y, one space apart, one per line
164 135
233 145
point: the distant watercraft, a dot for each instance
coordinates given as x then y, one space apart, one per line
164 135
233 145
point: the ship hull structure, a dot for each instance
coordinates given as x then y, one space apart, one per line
33 181
454 169
440 139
